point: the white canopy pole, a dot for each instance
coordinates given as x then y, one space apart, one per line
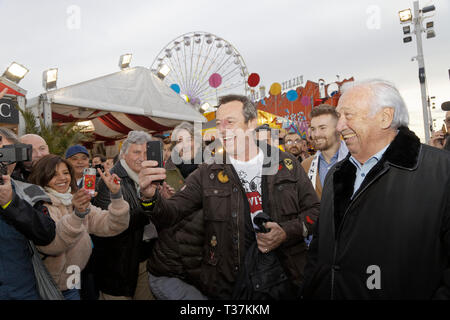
47 109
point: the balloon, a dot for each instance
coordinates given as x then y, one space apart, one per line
292 95
175 88
185 97
253 80
275 89
305 101
194 101
215 80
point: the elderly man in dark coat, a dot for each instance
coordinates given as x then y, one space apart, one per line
384 226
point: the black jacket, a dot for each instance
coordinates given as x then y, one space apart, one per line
397 223
178 250
21 222
116 259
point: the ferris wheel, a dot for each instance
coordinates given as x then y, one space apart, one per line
201 67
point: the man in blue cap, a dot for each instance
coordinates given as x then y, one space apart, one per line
78 156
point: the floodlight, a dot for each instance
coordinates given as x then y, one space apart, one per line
204 107
430 33
163 71
405 15
406 30
15 72
125 60
428 9
49 78
407 39
430 24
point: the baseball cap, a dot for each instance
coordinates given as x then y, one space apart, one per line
76 149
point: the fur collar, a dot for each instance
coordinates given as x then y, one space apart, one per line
404 150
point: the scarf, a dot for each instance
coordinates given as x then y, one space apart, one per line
65 198
314 168
149 229
133 175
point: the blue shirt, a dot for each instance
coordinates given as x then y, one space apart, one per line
324 166
363 170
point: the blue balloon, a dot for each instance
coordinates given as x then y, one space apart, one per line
292 95
175 88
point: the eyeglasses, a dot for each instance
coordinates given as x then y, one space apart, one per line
289 142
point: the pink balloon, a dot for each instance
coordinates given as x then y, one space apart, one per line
215 80
305 101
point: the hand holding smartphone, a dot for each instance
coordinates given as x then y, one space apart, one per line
89 176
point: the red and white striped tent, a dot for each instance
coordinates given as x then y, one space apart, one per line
132 99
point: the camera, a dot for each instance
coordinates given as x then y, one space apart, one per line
99 166
14 153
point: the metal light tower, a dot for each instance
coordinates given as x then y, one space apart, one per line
407 18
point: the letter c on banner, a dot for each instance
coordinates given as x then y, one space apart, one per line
1 110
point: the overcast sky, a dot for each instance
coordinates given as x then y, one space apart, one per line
279 40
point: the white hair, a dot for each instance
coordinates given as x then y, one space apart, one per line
384 95
134 137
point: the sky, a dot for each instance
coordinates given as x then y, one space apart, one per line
279 40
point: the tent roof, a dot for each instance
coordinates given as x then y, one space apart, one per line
135 91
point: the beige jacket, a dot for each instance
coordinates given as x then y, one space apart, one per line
72 245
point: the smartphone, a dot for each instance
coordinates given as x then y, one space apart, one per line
155 152
89 175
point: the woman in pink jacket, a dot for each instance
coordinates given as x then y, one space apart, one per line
75 219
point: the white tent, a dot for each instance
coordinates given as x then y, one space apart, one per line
132 99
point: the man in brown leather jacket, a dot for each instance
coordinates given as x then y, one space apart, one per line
232 188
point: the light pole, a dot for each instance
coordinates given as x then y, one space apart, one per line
407 18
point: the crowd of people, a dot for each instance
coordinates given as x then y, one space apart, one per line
358 210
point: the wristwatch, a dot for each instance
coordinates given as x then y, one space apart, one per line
82 214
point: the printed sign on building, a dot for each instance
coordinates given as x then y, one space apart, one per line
8 111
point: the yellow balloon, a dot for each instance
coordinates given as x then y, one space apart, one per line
275 89
185 97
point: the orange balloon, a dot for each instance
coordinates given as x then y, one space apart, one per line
275 89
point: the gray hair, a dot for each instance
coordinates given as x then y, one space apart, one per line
189 127
248 110
384 94
9 135
134 137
